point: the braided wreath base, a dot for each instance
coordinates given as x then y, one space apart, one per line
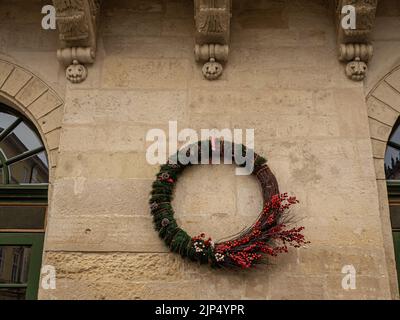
268 236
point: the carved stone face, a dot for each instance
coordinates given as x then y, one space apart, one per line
212 70
356 70
76 72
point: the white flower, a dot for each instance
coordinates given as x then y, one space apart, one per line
219 257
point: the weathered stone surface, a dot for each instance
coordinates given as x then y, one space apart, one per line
394 80
140 106
45 104
16 81
52 120
53 139
112 232
5 71
382 112
125 72
388 95
116 267
379 130
121 197
33 90
282 79
105 165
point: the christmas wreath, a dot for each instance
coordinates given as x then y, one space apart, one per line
268 236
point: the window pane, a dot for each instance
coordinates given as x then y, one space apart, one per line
22 217
395 137
27 136
22 139
32 170
392 163
12 293
6 120
14 264
395 216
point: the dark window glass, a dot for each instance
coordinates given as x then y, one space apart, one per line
15 264
31 170
22 217
395 136
392 163
20 140
6 120
23 155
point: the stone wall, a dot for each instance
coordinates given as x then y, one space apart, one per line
282 79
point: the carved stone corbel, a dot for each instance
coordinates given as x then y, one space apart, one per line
77 22
212 36
354 44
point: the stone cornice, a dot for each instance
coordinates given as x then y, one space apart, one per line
78 19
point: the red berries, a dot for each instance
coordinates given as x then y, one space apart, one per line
264 236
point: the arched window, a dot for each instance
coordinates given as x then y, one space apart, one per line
24 176
392 171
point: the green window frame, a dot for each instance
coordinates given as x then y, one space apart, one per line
35 242
19 195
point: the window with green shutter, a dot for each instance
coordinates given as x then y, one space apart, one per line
24 175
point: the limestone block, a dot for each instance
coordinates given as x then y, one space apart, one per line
53 154
31 36
52 120
177 47
177 27
366 260
285 286
271 38
394 80
125 72
45 104
381 112
324 102
119 267
122 197
124 290
178 9
16 81
380 169
307 126
154 107
105 165
367 288
44 65
388 95
103 233
303 77
132 24
5 71
206 190
277 102
113 138
379 130
322 231
249 201
53 139
33 90
350 104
